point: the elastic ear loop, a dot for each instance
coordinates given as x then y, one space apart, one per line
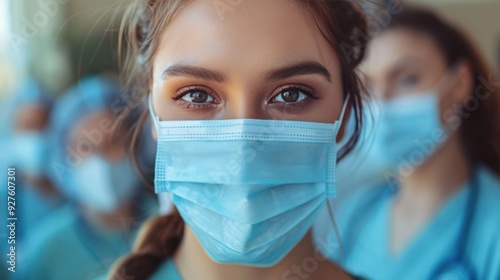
332 154
336 229
344 108
329 200
156 119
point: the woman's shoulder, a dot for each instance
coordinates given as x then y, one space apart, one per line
489 192
486 221
485 245
167 271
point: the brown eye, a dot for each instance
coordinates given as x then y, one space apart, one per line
291 95
198 97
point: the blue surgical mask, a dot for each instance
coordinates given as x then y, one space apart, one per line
30 151
248 189
103 186
410 129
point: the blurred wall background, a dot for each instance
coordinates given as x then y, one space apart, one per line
479 18
57 41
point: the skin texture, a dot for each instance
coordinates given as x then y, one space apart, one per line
31 117
244 46
401 62
101 123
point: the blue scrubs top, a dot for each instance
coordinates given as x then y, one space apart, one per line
64 247
364 232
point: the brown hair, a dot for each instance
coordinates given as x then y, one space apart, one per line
480 131
340 22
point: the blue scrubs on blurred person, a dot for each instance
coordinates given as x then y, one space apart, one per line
364 220
25 146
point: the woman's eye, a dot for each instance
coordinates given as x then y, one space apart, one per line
198 97
409 81
290 96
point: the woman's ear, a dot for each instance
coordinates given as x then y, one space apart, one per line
457 94
464 83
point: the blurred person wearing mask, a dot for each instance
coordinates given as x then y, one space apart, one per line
25 147
92 168
436 147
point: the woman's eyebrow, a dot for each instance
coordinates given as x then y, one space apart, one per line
404 63
300 68
181 70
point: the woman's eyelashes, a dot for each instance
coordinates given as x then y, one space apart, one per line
293 97
285 97
408 81
196 98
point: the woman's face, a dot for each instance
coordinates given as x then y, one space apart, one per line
405 62
258 60
401 62
93 135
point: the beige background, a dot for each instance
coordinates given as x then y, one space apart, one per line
479 18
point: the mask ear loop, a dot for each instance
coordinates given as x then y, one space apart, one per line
329 200
344 108
342 113
336 229
156 119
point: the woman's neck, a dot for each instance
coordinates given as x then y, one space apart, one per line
303 262
426 189
439 177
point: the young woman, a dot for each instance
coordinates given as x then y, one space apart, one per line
247 98
439 130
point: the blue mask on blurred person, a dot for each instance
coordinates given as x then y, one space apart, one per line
410 129
249 189
29 152
104 186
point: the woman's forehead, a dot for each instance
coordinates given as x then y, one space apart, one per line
255 35
399 46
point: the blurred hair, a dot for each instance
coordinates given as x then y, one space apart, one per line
480 132
340 22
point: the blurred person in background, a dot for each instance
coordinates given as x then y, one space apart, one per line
92 168
27 148
24 145
435 214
